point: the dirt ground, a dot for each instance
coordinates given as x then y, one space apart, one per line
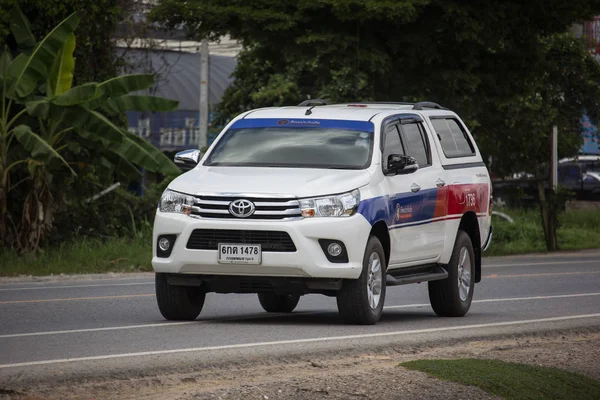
372 375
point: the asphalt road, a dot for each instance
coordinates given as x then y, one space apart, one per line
74 324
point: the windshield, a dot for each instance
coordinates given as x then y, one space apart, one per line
298 147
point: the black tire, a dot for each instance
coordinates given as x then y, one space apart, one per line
284 303
353 299
178 303
445 295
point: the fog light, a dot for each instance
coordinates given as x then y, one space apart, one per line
334 249
164 244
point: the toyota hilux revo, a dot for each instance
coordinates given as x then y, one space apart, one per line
343 200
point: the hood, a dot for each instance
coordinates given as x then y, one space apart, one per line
594 174
298 182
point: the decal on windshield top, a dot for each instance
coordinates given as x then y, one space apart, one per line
363 126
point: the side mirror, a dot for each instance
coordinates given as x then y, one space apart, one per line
187 159
401 164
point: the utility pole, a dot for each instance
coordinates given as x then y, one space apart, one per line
549 206
203 104
554 159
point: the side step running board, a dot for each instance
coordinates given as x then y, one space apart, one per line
435 274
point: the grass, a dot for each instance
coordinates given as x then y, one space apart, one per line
510 380
578 229
84 256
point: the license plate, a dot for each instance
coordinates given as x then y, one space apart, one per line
239 253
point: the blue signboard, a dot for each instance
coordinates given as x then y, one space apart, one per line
590 137
175 130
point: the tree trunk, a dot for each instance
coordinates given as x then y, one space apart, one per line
3 208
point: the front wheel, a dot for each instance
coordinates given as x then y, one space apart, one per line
452 297
178 303
360 301
284 303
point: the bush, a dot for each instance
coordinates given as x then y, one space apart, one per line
576 230
119 213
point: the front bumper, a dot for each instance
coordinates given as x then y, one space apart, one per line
307 261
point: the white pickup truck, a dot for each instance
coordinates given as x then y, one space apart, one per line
343 200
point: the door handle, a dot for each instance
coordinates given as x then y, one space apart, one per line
415 188
440 183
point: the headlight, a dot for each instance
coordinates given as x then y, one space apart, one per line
174 202
340 205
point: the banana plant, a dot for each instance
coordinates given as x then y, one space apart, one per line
41 114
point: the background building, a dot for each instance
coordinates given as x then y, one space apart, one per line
590 33
178 75
175 61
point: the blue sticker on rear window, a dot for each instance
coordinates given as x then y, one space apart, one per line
363 126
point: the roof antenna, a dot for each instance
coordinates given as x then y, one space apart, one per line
309 111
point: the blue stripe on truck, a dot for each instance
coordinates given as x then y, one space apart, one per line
401 208
363 126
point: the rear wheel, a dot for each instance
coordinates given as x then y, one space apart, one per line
360 301
452 297
178 303
272 302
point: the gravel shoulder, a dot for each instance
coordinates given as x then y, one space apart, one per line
360 375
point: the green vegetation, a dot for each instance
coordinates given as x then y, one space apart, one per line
53 133
578 229
95 51
495 63
83 256
110 234
510 380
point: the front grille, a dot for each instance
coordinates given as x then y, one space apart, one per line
266 208
270 241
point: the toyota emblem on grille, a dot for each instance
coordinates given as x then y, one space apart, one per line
241 208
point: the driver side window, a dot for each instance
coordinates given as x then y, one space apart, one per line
392 144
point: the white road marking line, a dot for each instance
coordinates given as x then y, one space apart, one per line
168 324
164 324
110 328
124 296
74 286
298 341
504 299
567 262
545 274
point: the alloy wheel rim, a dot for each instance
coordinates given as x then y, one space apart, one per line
464 274
374 281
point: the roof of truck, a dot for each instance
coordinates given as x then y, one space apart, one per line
359 111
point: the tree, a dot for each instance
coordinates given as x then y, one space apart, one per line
46 124
95 51
493 62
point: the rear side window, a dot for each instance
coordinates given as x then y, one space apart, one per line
417 144
453 138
